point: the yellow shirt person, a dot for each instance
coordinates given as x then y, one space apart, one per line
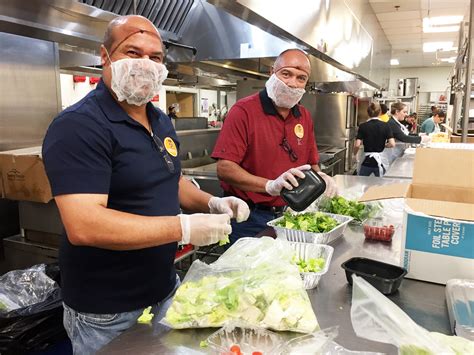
384 117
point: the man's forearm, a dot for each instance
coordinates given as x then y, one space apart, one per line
102 227
191 198
236 176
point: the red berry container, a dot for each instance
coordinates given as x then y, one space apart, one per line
378 230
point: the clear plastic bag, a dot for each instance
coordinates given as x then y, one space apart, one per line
460 300
309 344
250 252
37 325
24 288
376 318
264 289
333 348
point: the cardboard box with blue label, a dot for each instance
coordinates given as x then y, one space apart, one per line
438 228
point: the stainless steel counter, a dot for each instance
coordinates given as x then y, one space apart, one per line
402 168
423 302
209 170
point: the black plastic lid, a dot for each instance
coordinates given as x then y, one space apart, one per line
308 190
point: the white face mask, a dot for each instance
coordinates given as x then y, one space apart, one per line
281 94
137 80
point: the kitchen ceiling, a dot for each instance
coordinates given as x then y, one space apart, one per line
403 27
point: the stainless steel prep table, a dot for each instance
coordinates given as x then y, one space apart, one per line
402 167
423 302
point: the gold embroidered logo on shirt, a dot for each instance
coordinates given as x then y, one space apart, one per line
299 131
170 146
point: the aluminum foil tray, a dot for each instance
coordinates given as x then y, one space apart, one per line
299 236
308 251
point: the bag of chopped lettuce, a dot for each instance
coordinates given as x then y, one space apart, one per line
376 318
267 291
250 252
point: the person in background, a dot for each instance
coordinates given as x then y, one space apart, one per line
267 141
431 125
375 135
224 111
384 117
172 112
434 109
113 164
400 133
410 123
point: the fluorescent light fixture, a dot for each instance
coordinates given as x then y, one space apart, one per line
448 60
443 20
441 24
440 29
437 46
394 62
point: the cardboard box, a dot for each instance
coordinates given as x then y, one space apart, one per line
23 175
438 228
457 139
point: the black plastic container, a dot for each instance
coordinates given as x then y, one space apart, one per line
384 277
308 190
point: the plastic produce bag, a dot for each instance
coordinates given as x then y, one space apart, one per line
376 318
35 326
23 288
250 252
264 291
252 339
460 300
314 343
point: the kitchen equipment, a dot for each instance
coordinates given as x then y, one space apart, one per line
331 159
407 87
384 277
307 191
335 120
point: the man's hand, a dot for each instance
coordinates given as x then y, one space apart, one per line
286 180
204 229
331 187
232 206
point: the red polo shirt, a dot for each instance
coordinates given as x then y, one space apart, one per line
252 135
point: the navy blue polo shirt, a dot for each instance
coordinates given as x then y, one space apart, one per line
95 147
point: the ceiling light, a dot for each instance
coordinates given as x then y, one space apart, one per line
439 24
448 60
394 62
440 29
443 20
437 46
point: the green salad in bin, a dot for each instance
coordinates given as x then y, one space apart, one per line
315 222
310 265
357 210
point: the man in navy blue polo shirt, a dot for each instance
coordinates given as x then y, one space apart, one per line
268 140
112 161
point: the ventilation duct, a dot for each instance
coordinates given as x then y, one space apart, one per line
167 15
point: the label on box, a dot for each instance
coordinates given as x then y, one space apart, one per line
441 236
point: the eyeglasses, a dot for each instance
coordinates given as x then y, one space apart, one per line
161 148
287 148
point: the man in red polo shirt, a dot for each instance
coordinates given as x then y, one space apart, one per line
266 141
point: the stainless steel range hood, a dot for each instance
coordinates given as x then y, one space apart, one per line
234 39
329 30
